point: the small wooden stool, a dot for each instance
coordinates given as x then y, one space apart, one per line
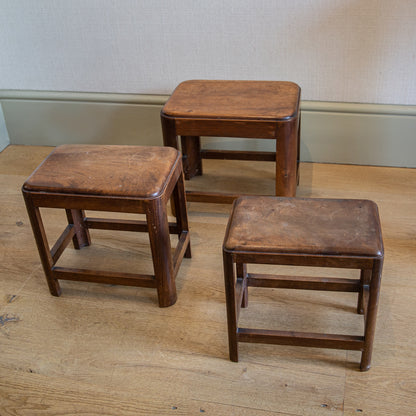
249 109
303 232
130 179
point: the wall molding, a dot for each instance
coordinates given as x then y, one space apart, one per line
159 99
91 97
332 132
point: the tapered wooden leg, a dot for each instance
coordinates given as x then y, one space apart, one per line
179 199
82 235
42 244
241 270
229 281
286 158
157 221
370 322
192 161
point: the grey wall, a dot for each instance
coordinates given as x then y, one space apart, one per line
336 50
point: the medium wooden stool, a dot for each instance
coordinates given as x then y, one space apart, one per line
131 179
303 232
249 109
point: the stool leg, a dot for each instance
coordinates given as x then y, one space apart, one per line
365 278
370 319
286 158
192 161
82 235
157 222
170 139
241 270
181 211
169 132
42 244
298 157
231 306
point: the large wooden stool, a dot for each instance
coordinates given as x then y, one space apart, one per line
131 179
303 232
249 109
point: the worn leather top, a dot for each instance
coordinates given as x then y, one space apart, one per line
307 226
129 171
268 100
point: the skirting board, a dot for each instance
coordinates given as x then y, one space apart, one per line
363 134
4 136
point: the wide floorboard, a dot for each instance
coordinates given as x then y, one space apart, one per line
109 350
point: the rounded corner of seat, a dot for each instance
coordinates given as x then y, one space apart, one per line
227 249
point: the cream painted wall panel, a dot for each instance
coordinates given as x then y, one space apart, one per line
337 50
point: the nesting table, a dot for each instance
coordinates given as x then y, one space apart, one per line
335 233
247 109
129 179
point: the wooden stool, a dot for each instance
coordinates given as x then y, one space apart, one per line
130 179
303 232
249 109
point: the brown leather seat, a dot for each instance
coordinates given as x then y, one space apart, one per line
304 225
254 100
123 171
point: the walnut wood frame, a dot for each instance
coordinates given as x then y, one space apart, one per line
165 265
285 131
237 281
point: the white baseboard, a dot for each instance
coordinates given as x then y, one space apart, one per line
365 134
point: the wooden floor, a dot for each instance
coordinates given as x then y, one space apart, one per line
109 350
